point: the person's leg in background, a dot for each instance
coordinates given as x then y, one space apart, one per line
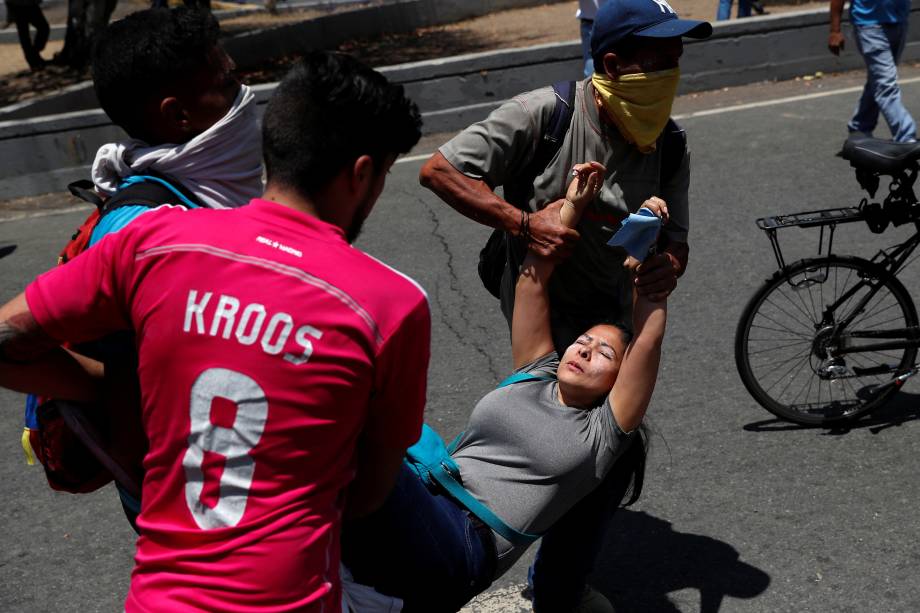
865 116
42 29
882 93
903 126
725 10
568 552
21 16
744 8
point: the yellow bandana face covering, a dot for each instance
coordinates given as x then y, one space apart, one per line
639 104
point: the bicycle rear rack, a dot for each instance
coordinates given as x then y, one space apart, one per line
810 219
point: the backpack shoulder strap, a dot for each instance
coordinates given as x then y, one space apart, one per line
150 190
521 377
84 190
673 145
552 138
562 115
430 459
447 480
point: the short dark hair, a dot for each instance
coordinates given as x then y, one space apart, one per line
138 58
329 110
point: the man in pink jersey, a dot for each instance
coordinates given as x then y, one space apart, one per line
282 371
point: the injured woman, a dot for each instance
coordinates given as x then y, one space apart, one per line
533 447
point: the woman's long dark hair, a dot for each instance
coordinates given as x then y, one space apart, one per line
630 468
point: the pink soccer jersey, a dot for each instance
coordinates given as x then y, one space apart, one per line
267 345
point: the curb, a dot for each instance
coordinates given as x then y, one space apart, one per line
323 32
57 30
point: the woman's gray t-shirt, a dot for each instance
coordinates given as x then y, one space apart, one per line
530 458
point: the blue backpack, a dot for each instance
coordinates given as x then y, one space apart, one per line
430 459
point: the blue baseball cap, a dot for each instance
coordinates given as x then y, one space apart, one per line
617 19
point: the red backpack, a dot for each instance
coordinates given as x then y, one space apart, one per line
74 443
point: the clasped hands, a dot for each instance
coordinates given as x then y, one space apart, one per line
552 233
656 277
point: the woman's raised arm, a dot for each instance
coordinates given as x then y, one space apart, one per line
531 337
635 382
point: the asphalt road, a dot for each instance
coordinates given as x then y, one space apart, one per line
740 512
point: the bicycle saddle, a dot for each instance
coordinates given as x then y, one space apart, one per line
877 155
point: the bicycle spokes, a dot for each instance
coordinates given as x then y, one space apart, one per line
821 341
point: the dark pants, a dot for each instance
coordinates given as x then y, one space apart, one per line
568 551
24 16
420 547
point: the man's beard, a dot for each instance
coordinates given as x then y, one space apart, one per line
357 223
354 230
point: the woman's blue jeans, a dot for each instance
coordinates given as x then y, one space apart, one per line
881 47
421 547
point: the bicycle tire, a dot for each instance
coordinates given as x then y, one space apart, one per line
789 303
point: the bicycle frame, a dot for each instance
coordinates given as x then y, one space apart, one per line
900 205
891 262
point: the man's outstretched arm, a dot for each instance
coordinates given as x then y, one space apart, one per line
33 362
476 200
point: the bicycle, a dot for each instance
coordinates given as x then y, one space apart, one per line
828 339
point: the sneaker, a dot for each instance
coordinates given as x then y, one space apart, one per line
593 601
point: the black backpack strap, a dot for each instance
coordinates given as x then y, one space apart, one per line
84 190
148 193
552 138
673 144
176 186
502 255
151 190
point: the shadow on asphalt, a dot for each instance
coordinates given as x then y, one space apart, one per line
5 250
661 560
902 408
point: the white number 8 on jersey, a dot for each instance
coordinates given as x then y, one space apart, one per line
233 443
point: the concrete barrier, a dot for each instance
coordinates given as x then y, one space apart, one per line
252 49
43 154
10 36
328 31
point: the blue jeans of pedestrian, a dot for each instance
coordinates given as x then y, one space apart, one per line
881 47
421 547
587 25
725 9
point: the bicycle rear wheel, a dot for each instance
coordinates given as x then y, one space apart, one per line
786 339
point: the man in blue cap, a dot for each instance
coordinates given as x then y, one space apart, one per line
618 118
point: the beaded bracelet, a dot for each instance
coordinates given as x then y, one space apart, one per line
525 226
